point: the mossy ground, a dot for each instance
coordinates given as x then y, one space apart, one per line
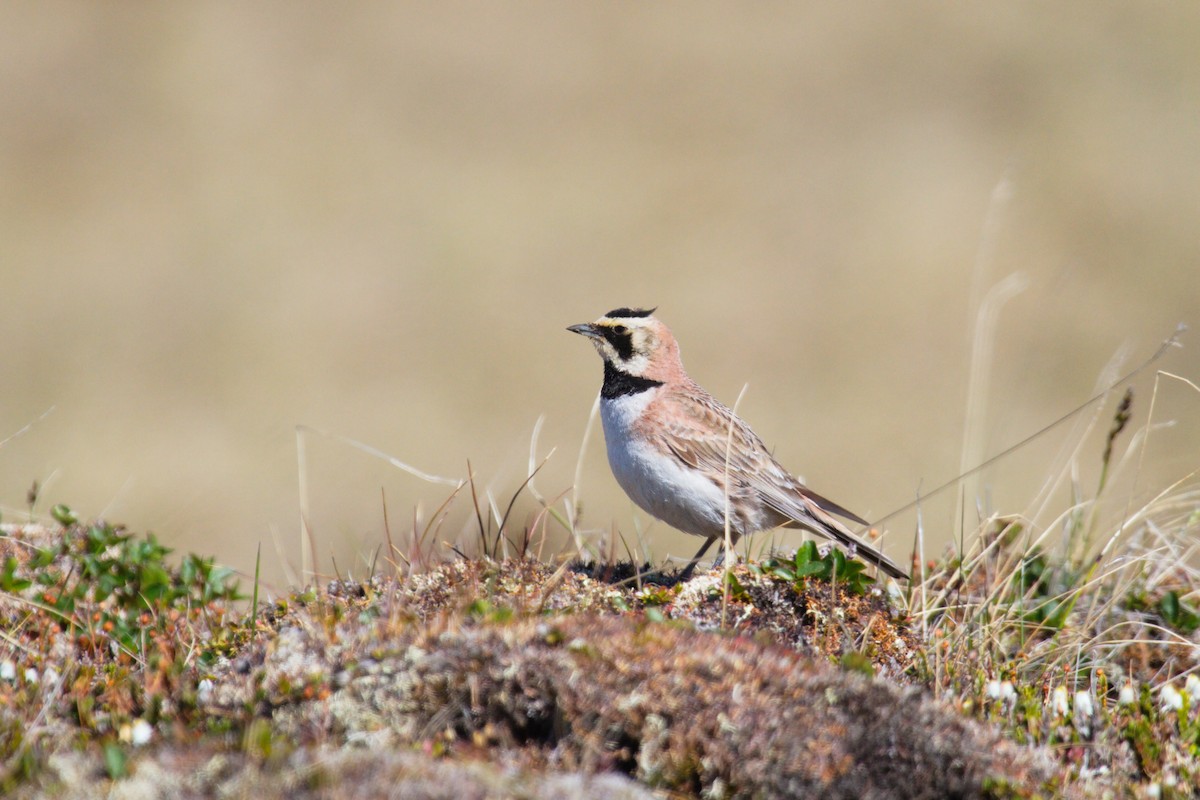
521 678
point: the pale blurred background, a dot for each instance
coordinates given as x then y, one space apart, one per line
219 221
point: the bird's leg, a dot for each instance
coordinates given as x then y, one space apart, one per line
687 571
720 560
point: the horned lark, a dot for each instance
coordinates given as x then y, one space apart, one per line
673 447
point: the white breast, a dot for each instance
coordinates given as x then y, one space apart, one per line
655 480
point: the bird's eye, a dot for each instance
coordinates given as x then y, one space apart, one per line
620 330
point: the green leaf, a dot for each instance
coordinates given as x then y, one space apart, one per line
104 587
9 581
188 569
812 568
855 661
154 579
63 515
806 553
1177 614
43 558
736 590
115 761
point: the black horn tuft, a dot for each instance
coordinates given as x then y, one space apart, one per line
631 312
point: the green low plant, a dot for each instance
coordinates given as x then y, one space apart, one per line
101 580
1177 613
807 562
1041 588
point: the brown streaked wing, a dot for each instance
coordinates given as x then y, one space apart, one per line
699 437
697 431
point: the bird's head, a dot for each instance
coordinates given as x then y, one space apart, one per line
634 343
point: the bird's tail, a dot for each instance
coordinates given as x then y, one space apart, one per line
824 524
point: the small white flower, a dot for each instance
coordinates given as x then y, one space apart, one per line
1002 691
1154 791
1088 773
1192 687
1127 696
141 733
1171 699
1083 705
1058 701
8 670
204 690
31 675
50 676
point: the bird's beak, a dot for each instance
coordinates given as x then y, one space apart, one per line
586 328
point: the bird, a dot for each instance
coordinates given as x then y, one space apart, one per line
690 461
